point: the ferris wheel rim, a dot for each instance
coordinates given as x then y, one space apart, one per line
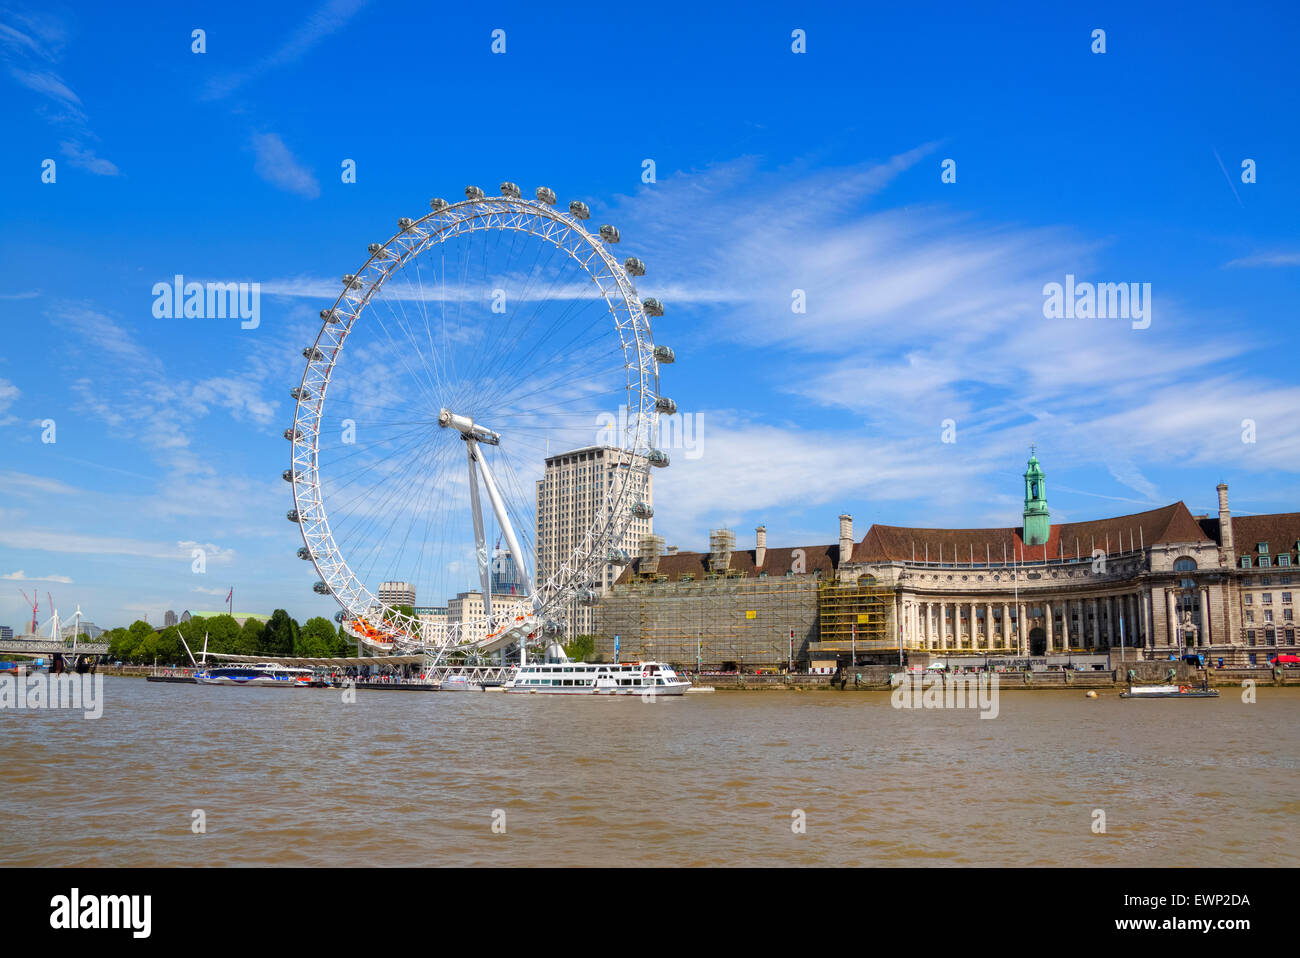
411 241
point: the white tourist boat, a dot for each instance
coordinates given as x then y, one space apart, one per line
587 678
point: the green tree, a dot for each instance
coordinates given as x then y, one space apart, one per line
317 639
121 645
140 636
249 641
223 633
581 648
280 636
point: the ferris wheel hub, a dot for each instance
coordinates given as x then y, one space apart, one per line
468 428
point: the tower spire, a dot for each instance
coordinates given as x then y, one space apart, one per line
1038 523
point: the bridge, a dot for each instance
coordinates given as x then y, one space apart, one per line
39 648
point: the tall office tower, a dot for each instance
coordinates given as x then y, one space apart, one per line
396 593
571 494
169 618
505 580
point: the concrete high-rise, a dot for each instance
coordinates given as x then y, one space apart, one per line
572 494
396 593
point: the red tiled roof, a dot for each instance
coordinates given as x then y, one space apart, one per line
1172 523
777 562
1281 530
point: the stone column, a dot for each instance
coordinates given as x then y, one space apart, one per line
1047 608
1146 618
988 625
1171 611
1006 626
970 624
1205 616
1096 623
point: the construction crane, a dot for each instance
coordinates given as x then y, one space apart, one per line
35 603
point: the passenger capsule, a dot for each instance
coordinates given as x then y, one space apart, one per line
579 209
664 354
338 616
587 597
320 588
473 193
658 458
377 250
304 552
405 223
330 315
509 189
300 393
618 556
438 204
665 405
609 233
312 353
293 433
351 282
634 266
287 475
643 509
546 195
292 515
653 307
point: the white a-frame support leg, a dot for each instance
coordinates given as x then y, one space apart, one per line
477 464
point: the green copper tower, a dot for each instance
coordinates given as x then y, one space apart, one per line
1038 524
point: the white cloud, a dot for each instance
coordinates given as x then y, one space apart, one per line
48 540
1281 258
279 167
20 576
324 21
32 43
85 159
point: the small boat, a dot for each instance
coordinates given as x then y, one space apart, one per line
1169 692
459 683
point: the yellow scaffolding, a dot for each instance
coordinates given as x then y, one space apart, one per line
855 613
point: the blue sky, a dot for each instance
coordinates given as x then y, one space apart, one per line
776 171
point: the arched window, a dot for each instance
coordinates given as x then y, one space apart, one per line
1185 564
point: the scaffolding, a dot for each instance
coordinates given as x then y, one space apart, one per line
722 543
652 547
854 615
720 622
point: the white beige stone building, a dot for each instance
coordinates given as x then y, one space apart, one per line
466 610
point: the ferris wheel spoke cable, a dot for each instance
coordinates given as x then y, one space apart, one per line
417 441
425 384
379 540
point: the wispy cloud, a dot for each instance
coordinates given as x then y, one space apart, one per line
51 540
1268 259
919 315
21 576
85 159
32 45
279 167
324 21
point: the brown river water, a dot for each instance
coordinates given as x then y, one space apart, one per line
298 777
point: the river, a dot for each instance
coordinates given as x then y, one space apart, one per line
299 777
